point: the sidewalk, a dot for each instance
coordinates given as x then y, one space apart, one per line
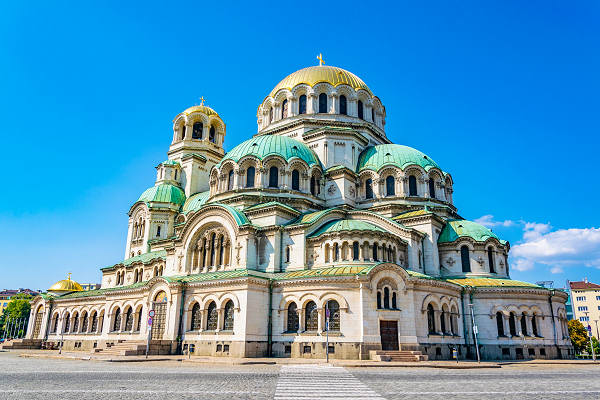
205 360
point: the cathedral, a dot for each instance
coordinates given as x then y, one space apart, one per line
316 235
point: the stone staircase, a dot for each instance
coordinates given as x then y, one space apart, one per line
19 344
398 355
122 348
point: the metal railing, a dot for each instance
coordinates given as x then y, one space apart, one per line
14 328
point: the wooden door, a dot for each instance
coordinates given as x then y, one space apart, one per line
159 321
389 335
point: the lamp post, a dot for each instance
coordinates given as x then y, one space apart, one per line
475 332
597 335
589 330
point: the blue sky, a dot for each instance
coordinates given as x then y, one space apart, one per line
502 94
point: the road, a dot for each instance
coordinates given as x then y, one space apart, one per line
49 379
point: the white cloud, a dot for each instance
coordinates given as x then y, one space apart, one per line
556 270
489 222
559 249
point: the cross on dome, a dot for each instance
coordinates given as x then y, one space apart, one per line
320 58
202 100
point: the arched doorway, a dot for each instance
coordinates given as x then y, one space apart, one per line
37 322
159 305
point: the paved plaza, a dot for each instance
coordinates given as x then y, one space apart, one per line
48 379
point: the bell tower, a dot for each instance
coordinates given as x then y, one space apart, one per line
198 136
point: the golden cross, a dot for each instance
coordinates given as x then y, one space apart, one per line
320 58
69 275
202 100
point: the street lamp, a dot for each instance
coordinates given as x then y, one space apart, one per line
475 332
589 330
597 335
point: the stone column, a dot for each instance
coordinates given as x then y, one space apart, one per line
320 320
311 101
333 109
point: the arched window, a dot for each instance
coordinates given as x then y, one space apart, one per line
443 321
322 103
500 323
343 105
139 320
491 260
129 320
336 252
197 130
430 319
355 251
212 135
55 324
182 132
534 328
369 188
212 248
228 316
313 189
386 297
84 322
94 326
373 115
221 249
524 325
465 259
394 302
175 174
230 180
284 109
375 257
157 235
334 315
360 110
211 317
295 180
287 254
432 188
75 322
117 320
412 186
270 115
378 299
512 324
302 104
312 317
196 322
67 323
273 177
250 173
390 186
292 318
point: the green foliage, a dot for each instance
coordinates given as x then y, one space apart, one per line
596 346
17 308
579 336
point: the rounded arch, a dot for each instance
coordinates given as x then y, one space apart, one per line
433 300
306 298
325 297
223 298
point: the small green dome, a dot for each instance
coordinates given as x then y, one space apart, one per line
169 162
267 145
346 225
457 228
377 157
163 193
195 202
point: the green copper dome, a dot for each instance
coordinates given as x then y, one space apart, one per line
195 202
346 225
163 193
377 157
457 228
267 145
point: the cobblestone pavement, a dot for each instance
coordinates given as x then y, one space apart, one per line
49 379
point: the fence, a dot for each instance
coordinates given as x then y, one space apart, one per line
14 328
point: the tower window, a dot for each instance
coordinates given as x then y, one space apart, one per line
412 186
390 184
432 188
360 110
373 115
230 180
182 132
322 103
491 260
212 134
465 259
158 231
197 130
295 180
175 174
273 177
343 105
284 109
250 173
369 188
302 104
270 115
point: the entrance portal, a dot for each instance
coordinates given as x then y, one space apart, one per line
389 335
160 316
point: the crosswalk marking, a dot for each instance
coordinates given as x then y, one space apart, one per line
313 381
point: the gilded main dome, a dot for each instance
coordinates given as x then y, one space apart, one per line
201 108
321 73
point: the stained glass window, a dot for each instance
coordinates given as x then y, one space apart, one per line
129 320
292 318
212 317
312 317
228 316
196 317
334 315
117 321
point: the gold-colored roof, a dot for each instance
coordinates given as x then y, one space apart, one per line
321 73
66 285
497 282
202 108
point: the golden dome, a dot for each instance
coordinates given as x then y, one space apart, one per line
321 73
201 108
66 285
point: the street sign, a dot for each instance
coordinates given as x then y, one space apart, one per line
151 313
150 321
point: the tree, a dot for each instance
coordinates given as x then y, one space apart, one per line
578 335
596 346
18 307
